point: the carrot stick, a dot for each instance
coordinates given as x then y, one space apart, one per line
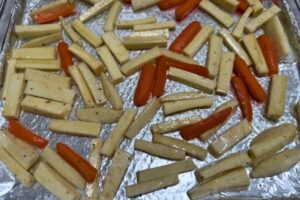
185 37
66 58
243 97
167 4
243 5
52 15
18 130
87 171
184 9
160 77
145 84
269 53
241 69
193 131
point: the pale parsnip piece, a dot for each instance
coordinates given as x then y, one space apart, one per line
47 108
45 65
198 41
141 4
177 57
235 180
48 91
192 80
55 183
222 166
110 64
256 54
86 33
112 16
230 138
14 95
128 24
48 6
215 49
99 115
136 63
115 175
277 97
233 45
180 96
111 93
43 40
32 31
174 168
78 128
174 107
225 73
115 45
95 64
171 126
159 150
96 9
16 169
118 133
261 19
190 149
10 69
91 81
75 38
62 167
143 118
256 5
155 26
277 164
216 12
230 5
151 186
37 53
238 31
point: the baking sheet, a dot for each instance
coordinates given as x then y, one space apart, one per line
286 185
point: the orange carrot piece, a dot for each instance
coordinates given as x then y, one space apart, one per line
268 50
160 77
145 84
167 4
66 57
193 131
52 15
243 97
184 9
242 70
185 37
87 171
243 5
18 130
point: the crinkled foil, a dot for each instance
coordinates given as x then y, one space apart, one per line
286 185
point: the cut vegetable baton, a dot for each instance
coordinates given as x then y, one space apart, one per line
66 58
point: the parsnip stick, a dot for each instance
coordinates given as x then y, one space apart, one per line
215 48
230 5
277 97
43 40
45 65
256 5
54 183
70 32
32 31
111 93
190 149
48 6
261 19
230 138
174 107
93 2
192 80
62 167
96 9
238 31
159 150
99 115
112 16
177 57
141 4
136 63
10 69
222 166
225 73
19 172
46 107
37 53
79 128
151 186
128 24
174 168
180 96
118 133
12 108
86 33
155 26
82 86
115 175
143 118
95 64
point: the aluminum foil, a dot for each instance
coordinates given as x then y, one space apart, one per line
286 185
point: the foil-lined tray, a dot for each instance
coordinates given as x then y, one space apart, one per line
286 185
